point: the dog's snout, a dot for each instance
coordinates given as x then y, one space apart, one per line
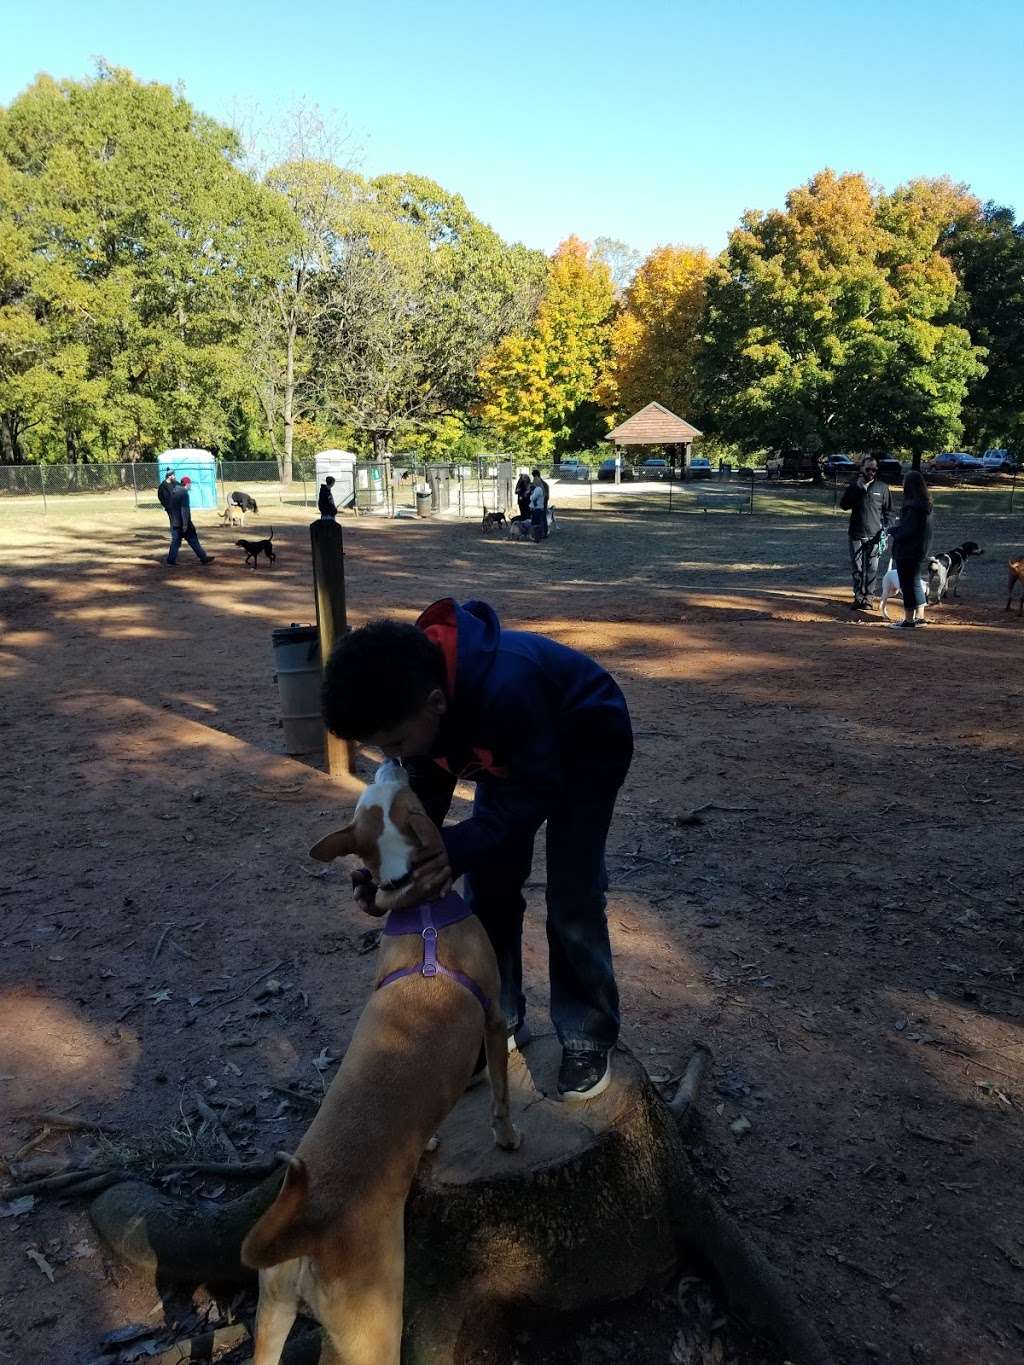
396 883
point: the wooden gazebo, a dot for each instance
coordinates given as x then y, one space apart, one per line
654 425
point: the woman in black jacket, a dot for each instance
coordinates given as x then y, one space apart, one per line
911 544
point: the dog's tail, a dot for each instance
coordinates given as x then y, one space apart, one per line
271 536
276 1236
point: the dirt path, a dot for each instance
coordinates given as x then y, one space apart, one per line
843 926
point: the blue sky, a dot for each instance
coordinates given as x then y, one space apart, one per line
652 122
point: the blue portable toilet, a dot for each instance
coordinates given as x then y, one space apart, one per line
201 468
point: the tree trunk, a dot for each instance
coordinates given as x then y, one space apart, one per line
600 1201
285 462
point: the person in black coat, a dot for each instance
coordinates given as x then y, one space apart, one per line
164 490
325 502
869 503
911 545
180 513
523 486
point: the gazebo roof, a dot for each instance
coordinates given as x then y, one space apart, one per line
653 425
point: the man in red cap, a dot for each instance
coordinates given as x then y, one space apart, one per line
182 528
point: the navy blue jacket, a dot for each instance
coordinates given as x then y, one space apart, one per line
534 721
179 509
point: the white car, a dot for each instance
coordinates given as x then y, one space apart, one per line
999 461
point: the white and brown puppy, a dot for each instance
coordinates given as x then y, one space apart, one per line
334 1237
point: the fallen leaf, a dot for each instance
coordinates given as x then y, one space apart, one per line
159 997
41 1261
17 1206
740 1127
324 1060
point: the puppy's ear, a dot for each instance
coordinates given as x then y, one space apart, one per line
336 845
422 829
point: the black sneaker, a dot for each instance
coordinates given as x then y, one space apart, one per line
584 1075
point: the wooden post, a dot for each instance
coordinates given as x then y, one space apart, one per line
331 617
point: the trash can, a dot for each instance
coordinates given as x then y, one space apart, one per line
297 669
423 502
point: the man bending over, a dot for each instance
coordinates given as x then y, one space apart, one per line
544 733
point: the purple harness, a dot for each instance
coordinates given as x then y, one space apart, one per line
426 920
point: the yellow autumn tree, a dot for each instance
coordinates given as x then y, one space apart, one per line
655 337
539 390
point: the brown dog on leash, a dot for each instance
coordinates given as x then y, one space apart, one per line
1015 580
334 1237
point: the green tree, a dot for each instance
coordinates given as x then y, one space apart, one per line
830 324
988 253
420 291
147 242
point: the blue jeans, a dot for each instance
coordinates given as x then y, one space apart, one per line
584 996
176 538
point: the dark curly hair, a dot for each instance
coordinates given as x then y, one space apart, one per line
377 677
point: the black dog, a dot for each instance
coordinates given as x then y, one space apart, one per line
493 521
254 548
244 501
946 570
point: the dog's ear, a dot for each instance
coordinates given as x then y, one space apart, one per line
336 845
422 829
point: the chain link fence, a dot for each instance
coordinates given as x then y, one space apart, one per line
402 486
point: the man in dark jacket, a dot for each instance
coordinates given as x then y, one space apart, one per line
180 513
325 502
869 503
164 490
544 733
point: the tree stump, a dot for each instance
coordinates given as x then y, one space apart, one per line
599 1201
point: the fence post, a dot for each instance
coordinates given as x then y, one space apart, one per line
835 491
42 483
135 486
1013 489
220 475
328 546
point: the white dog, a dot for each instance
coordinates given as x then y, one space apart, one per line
891 588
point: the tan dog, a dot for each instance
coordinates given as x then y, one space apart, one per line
334 1237
1016 579
233 514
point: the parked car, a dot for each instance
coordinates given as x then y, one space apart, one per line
793 464
838 467
954 462
606 471
890 470
700 468
655 469
572 469
999 462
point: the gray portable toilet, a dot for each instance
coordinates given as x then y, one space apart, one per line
342 464
201 468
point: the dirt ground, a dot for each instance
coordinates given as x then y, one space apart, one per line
843 926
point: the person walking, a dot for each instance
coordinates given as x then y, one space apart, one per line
869 503
182 528
447 697
328 507
911 544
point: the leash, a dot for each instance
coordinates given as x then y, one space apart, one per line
429 966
